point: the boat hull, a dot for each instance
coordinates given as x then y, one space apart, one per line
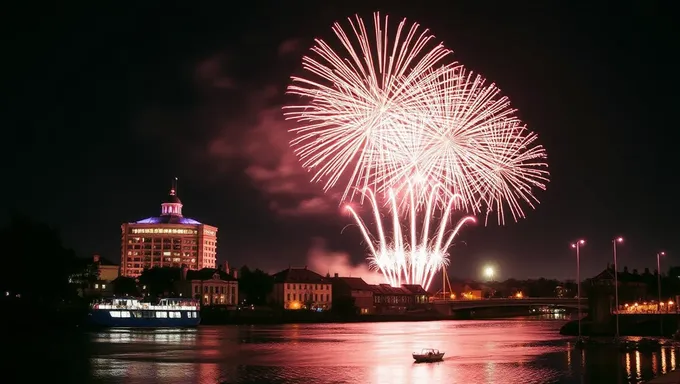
103 319
428 358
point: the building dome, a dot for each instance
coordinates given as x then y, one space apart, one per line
172 198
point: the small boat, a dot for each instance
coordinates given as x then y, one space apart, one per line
428 355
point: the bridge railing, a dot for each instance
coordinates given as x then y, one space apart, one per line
500 299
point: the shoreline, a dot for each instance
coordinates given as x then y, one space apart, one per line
629 325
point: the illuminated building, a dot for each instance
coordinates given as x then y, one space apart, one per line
301 288
210 286
354 289
169 240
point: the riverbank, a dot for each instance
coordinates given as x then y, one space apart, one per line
629 325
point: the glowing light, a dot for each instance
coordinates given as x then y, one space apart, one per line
489 272
412 259
619 239
394 112
390 117
519 295
578 243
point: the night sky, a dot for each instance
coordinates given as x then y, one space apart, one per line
103 107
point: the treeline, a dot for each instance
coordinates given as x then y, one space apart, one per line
38 267
254 285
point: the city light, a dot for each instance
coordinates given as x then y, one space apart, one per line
489 272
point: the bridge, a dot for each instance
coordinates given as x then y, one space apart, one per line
454 305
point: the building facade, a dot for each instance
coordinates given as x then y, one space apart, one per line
168 240
210 286
356 290
301 288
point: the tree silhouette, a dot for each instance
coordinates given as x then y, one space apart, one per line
37 265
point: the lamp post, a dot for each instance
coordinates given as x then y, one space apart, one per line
577 245
658 287
616 283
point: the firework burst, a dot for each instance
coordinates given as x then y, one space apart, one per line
413 257
389 116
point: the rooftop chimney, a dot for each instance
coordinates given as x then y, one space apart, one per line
335 274
226 267
95 258
234 273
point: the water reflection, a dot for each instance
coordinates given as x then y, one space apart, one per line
479 352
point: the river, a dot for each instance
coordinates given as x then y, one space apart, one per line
523 351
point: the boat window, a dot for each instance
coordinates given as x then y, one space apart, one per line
161 314
115 314
125 314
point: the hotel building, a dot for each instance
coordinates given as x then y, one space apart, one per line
169 240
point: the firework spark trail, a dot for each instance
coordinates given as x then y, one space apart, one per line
356 102
393 112
416 261
391 116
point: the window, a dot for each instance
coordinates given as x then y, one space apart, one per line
125 314
104 287
96 286
162 314
115 313
288 298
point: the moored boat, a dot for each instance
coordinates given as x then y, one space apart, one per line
132 313
428 355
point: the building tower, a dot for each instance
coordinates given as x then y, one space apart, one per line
168 240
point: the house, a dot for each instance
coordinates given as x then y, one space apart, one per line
632 286
389 299
356 289
420 295
302 288
466 291
106 271
209 285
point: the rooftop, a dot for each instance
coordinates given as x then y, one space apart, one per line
354 283
299 275
208 274
168 220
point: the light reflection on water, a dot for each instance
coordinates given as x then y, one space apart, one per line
477 352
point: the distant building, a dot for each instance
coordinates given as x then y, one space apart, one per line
356 289
210 286
107 271
389 299
301 288
632 286
168 240
466 291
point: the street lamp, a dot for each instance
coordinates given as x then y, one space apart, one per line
658 287
616 282
489 272
577 245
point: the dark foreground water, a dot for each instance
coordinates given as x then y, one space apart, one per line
519 351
